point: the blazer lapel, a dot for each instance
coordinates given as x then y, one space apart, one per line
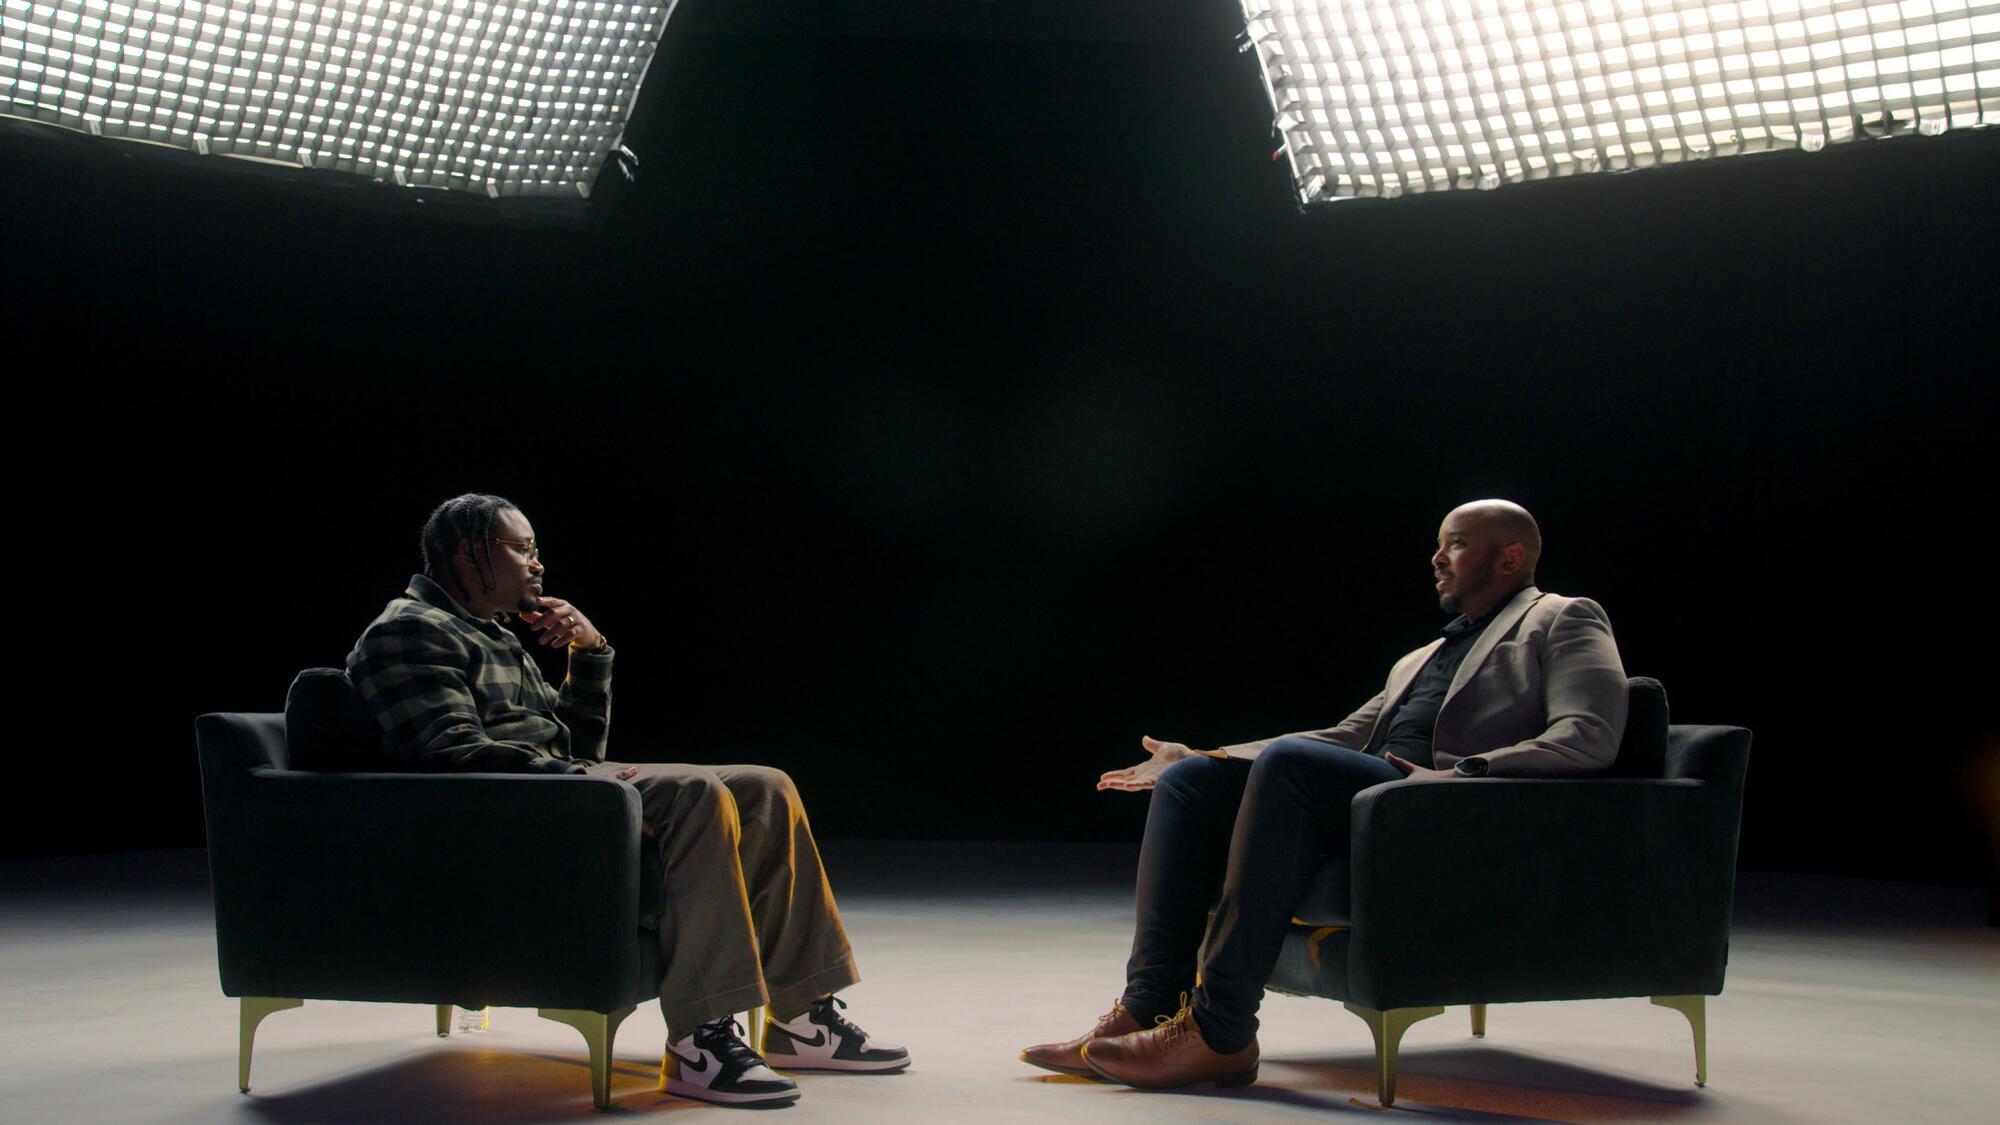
1489 637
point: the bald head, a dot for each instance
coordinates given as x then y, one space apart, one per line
1487 550
1508 523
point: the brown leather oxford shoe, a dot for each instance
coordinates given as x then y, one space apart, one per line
1172 1054
1067 1058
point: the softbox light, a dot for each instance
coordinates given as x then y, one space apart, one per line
1383 97
502 98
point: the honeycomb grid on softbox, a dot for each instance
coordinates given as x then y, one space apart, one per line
503 98
1383 97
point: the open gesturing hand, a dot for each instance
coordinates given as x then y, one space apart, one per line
1134 779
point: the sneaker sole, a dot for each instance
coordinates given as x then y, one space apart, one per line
847 1066
720 1097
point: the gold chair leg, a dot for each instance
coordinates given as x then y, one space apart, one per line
599 1029
757 1030
253 1009
1388 1028
444 1020
1479 1021
1695 1008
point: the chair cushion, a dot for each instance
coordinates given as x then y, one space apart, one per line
1643 753
328 729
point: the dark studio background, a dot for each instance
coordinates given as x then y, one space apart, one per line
942 411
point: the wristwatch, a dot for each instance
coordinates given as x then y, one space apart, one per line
1471 767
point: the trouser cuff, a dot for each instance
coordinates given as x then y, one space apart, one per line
791 1001
683 1016
1223 1036
1146 1006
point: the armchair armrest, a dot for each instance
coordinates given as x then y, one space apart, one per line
427 888
1532 889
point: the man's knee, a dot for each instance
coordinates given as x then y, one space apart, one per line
1192 777
684 786
1288 755
760 785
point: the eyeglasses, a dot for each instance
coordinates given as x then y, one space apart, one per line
527 545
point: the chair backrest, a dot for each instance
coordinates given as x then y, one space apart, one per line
329 729
1643 751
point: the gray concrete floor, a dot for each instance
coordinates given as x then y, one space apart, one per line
1847 1001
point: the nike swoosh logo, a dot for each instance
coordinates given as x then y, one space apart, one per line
818 1039
699 1065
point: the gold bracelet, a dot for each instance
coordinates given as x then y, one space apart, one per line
603 642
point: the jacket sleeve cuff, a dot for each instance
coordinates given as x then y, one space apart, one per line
591 670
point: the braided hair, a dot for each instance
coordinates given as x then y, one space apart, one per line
468 517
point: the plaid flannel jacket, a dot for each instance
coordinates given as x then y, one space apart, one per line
454 692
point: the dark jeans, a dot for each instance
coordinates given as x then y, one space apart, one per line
1254 833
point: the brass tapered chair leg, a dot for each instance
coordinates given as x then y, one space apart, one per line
252 1010
1388 1028
1479 1021
756 1017
599 1029
444 1020
1695 1008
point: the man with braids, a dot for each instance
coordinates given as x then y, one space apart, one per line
1523 683
748 918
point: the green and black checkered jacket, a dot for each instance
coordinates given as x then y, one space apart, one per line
453 692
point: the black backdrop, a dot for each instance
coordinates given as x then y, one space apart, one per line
936 417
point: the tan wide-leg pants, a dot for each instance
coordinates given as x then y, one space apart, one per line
747 917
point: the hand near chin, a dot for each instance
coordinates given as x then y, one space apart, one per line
559 623
1146 774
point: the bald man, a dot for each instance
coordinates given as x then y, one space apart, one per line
1522 683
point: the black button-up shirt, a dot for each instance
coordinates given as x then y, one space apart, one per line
1410 728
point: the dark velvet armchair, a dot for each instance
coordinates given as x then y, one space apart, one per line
474 889
1507 890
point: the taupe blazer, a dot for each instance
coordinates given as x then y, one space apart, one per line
1541 694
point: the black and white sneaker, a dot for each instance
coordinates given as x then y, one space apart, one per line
713 1065
823 1039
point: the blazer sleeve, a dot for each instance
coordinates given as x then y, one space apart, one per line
1584 698
1353 732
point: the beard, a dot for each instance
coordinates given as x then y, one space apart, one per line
1480 578
529 602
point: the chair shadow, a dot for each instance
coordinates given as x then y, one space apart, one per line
1484 1083
488 1085
1452 1084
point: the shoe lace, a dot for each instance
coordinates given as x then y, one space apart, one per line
723 1039
1117 1006
827 1009
1175 1027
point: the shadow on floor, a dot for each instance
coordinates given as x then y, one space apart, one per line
489 1086
1458 1084
1484 1083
